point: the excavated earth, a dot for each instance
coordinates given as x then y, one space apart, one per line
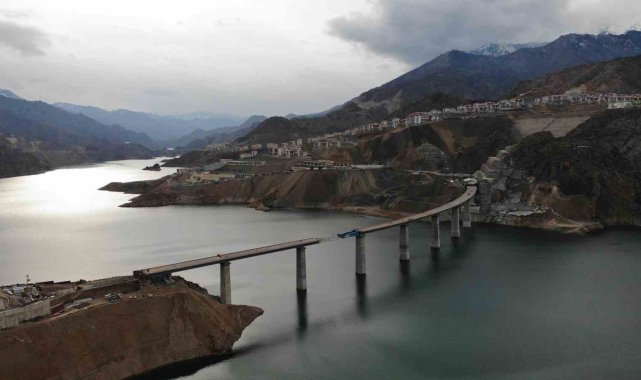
590 178
162 326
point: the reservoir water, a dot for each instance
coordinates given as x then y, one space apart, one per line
502 303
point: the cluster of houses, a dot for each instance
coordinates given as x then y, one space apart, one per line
229 147
611 99
327 141
420 118
294 149
290 149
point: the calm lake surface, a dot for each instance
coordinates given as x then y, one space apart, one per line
502 303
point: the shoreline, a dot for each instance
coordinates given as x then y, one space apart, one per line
548 223
113 329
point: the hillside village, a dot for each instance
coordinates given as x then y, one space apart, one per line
299 149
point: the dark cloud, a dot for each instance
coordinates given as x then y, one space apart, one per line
25 39
415 31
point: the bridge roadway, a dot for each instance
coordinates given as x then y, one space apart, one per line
467 195
164 272
193 264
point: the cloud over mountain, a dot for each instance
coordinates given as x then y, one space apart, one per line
414 31
25 39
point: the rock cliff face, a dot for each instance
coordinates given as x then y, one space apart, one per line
114 341
590 176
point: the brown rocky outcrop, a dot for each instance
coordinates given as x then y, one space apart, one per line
378 192
136 187
114 341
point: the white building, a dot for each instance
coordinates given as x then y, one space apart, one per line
250 154
418 118
620 105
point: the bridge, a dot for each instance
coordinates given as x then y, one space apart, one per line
459 209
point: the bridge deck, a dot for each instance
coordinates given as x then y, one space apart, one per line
191 264
467 195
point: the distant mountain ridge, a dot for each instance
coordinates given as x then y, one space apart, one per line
36 136
497 50
222 135
622 76
486 77
462 75
9 94
48 115
156 126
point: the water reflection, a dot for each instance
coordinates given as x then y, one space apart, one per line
406 277
578 298
435 258
301 306
361 295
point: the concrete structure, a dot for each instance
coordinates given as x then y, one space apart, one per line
301 269
455 223
619 105
225 283
318 164
436 231
13 317
250 154
404 252
163 273
467 215
454 206
360 254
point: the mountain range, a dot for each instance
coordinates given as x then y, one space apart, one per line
9 94
200 138
497 50
158 127
621 75
487 77
40 135
36 136
463 75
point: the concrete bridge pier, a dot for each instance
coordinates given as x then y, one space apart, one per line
402 243
436 232
360 254
301 269
455 223
467 215
225 283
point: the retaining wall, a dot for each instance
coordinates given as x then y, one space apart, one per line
13 317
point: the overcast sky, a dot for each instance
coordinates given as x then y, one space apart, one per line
271 57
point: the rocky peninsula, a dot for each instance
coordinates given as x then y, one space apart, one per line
381 192
137 331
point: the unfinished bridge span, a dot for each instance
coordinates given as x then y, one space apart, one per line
459 209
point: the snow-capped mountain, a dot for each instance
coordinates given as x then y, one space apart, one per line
497 50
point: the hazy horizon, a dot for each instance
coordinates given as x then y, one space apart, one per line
238 58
